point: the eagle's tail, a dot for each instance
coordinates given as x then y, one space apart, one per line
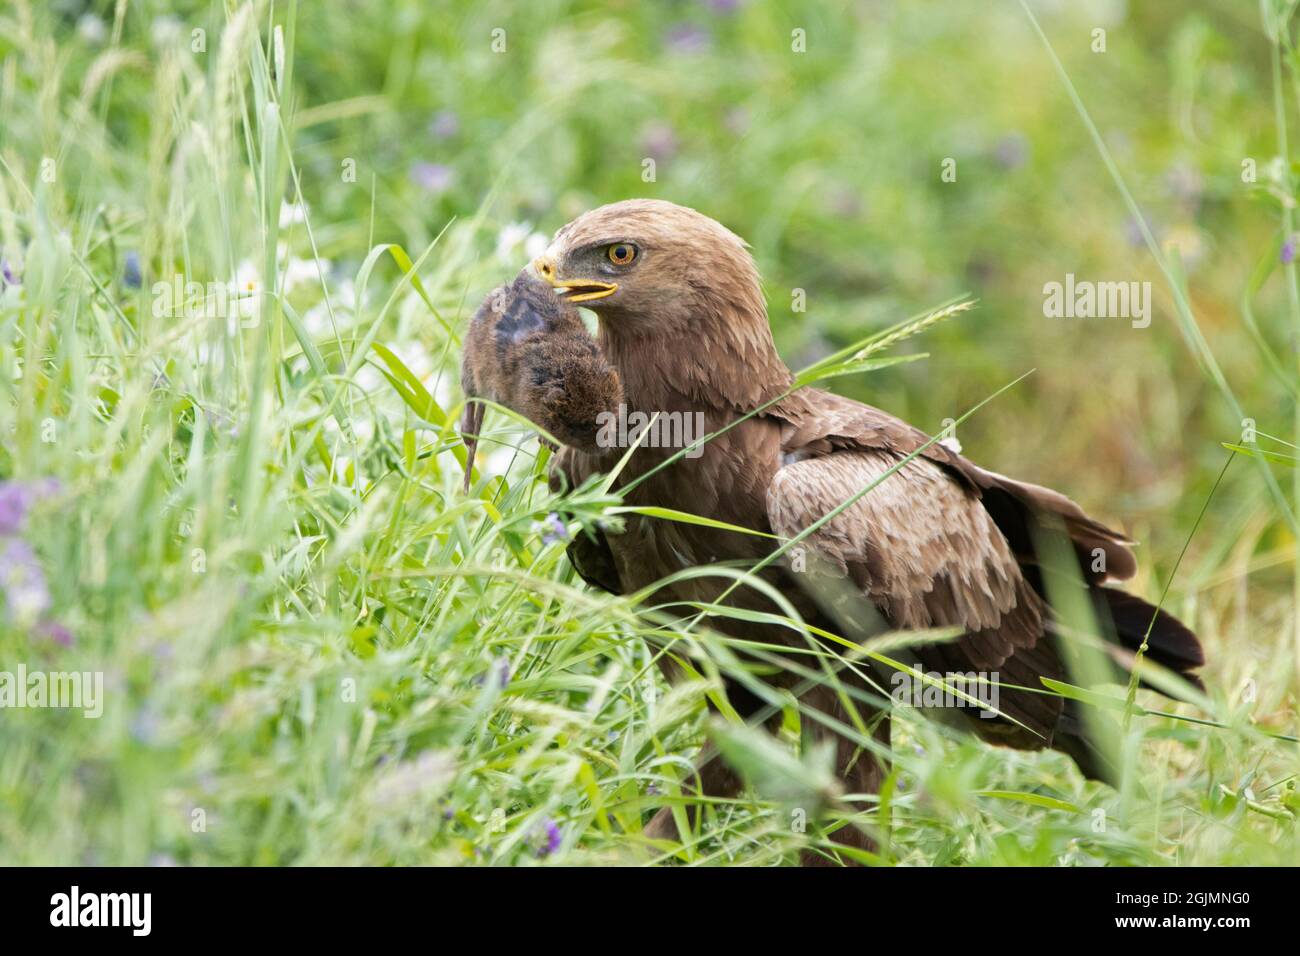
1130 620
1169 642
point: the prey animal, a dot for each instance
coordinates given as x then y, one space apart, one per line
528 350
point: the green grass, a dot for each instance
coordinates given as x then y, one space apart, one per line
317 650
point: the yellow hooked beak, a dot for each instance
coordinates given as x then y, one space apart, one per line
575 290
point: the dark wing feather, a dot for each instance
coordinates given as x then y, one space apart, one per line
593 559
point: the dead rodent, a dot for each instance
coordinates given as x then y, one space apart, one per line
528 350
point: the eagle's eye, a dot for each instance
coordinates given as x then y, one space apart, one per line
621 253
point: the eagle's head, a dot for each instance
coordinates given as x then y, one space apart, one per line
646 266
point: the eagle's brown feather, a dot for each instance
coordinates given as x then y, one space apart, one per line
919 545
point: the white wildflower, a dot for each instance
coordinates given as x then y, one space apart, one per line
92 28
302 271
292 213
512 237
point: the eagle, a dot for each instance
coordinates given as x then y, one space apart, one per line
937 543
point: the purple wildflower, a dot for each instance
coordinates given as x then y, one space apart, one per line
15 499
56 632
1133 229
1288 250
659 142
1185 183
131 275
737 121
1011 151
22 579
432 177
144 726
554 838
445 125
553 530
687 38
845 203
724 6
499 671
7 276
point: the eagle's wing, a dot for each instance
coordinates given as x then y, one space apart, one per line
817 422
923 549
918 544
945 542
940 542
